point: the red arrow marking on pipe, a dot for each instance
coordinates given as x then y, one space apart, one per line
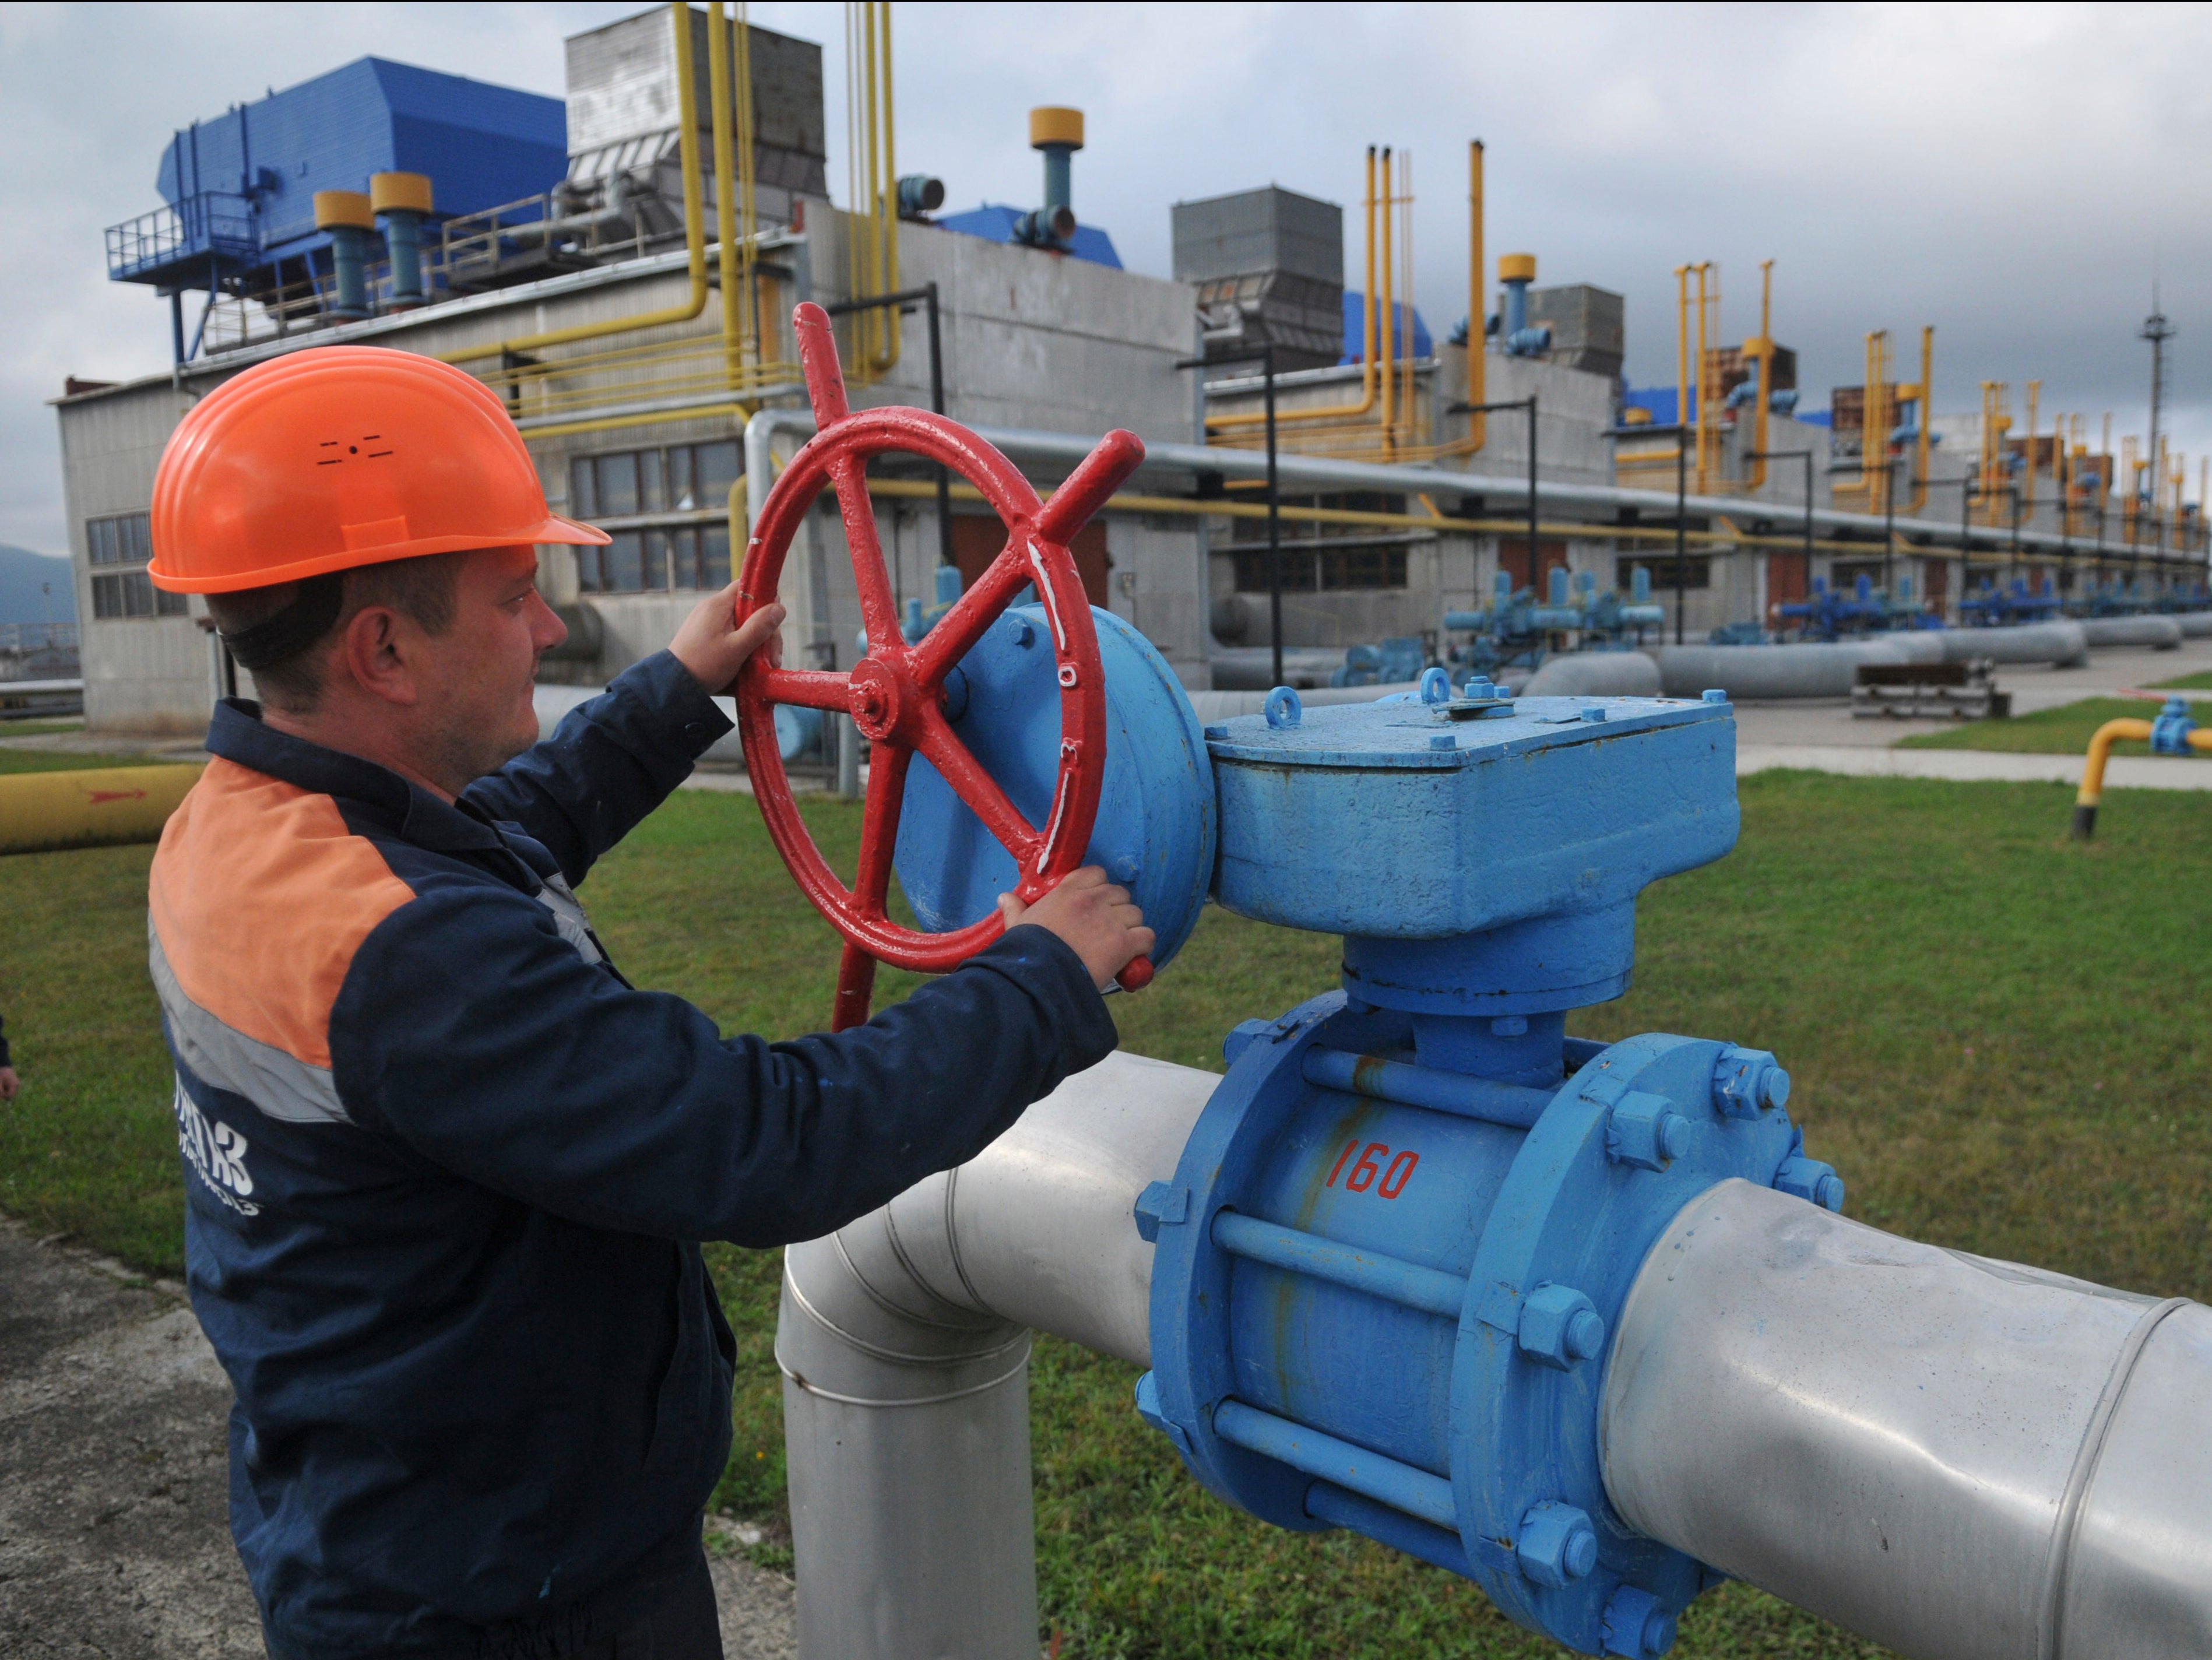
99 796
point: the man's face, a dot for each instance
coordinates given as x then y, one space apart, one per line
476 677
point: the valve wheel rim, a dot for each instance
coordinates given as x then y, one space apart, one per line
895 692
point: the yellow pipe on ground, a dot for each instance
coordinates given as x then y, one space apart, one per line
101 806
2093 766
695 228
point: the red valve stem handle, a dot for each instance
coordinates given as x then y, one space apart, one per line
1137 975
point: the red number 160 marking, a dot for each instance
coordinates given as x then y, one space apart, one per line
1364 1172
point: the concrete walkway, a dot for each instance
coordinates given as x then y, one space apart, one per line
2140 772
114 1543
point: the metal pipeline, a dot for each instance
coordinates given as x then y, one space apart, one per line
1311 474
2159 633
903 1341
1960 1458
2059 643
100 806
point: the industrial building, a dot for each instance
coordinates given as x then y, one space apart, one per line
621 269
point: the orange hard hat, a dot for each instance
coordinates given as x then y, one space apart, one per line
339 456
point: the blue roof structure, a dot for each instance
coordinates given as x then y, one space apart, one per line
994 222
241 187
1660 401
1403 318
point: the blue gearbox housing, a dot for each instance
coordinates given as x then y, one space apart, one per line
1392 1255
1155 830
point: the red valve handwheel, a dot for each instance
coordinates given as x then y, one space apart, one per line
894 694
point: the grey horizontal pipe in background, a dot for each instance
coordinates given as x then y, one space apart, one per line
1311 474
2159 633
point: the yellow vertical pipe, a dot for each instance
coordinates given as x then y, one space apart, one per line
883 184
748 202
1478 353
1927 413
1389 313
1705 380
2028 453
726 273
1409 402
1757 477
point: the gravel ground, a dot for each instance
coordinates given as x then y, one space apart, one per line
112 1541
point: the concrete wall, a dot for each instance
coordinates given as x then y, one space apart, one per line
151 674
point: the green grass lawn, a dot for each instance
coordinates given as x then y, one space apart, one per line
15 760
1994 1033
2185 683
39 728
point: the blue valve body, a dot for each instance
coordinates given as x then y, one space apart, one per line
1391 1257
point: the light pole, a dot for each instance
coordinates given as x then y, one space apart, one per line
1806 456
1536 575
1265 356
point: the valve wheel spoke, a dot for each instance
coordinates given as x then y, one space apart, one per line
809 688
879 610
979 791
872 877
959 630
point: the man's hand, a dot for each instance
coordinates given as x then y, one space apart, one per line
713 648
8 1083
1095 920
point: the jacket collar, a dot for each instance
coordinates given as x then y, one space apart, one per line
238 732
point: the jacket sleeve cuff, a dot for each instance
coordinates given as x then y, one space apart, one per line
1047 969
673 704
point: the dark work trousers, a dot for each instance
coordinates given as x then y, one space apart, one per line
683 1625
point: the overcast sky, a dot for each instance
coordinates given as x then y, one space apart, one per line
2012 174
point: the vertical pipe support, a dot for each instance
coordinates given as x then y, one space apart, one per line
350 219
403 201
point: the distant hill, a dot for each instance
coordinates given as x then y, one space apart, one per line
22 573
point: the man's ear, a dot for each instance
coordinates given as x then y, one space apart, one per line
375 651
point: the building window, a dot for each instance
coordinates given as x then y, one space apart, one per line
654 560
131 593
1326 566
1697 571
126 539
627 484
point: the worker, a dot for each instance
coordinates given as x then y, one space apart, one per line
446 1166
9 1083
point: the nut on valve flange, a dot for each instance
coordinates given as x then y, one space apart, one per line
1560 1327
1813 1180
1557 1546
1748 1082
